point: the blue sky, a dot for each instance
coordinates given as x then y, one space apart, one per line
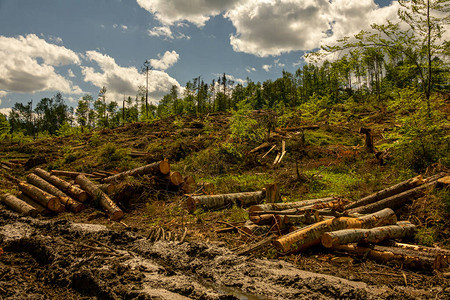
78 46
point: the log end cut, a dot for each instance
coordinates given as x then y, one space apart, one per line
117 215
191 204
164 167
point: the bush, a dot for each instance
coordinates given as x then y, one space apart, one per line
243 127
113 157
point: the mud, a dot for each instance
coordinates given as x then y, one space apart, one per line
46 259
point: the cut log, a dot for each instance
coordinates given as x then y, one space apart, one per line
211 202
383 255
70 174
388 192
272 193
114 212
41 209
188 185
373 235
334 204
310 235
444 181
288 205
108 188
394 202
156 168
369 139
67 201
63 185
254 230
266 219
175 178
420 248
262 146
45 199
18 205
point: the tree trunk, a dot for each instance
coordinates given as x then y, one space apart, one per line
18 205
70 174
394 202
68 202
285 206
188 185
175 178
266 219
369 139
156 168
114 212
272 193
310 235
383 255
45 199
108 188
373 235
334 204
41 209
387 192
211 202
63 185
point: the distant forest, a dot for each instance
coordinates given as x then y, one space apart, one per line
408 58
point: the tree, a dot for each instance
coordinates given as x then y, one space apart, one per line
4 126
145 69
82 112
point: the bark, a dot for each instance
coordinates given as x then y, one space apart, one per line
156 168
369 138
388 192
253 230
114 212
444 181
63 185
373 235
262 146
41 209
70 174
18 205
394 202
310 235
334 204
285 206
67 201
383 255
272 193
45 199
266 219
421 248
211 202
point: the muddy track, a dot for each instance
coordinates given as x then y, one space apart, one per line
45 259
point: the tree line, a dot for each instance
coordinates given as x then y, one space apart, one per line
367 67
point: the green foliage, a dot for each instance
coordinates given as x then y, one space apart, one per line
4 126
237 214
230 151
67 130
112 156
426 236
243 127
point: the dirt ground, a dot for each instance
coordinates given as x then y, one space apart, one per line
56 259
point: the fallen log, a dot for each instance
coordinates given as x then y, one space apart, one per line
262 146
310 235
70 174
383 255
266 219
18 205
41 209
188 185
420 248
68 202
373 235
334 204
175 178
394 202
108 188
45 199
254 230
114 212
211 202
63 185
156 168
388 192
288 205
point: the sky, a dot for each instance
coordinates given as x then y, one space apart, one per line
78 46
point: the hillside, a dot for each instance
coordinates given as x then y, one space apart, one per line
325 156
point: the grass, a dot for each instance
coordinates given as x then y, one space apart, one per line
238 183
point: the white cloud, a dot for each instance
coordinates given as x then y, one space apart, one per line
161 31
27 65
198 12
124 27
250 69
5 111
274 27
266 67
3 94
121 81
70 73
166 61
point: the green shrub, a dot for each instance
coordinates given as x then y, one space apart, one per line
243 127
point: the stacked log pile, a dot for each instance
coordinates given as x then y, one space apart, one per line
46 193
361 228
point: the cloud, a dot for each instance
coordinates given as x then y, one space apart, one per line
266 67
121 81
250 69
166 61
274 27
70 73
198 12
5 111
27 65
161 31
